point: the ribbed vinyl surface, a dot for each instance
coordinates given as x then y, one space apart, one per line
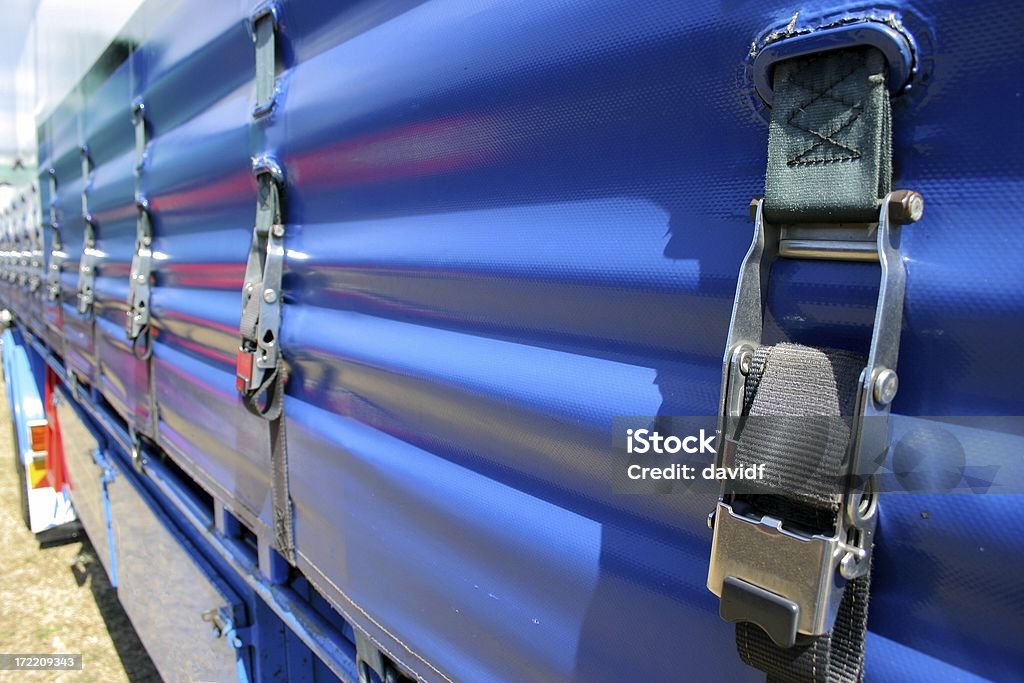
509 222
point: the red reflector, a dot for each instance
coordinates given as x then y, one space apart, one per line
37 432
243 370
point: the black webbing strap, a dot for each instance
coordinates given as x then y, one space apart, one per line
837 657
284 524
799 400
830 139
268 403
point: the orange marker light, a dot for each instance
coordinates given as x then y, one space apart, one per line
37 432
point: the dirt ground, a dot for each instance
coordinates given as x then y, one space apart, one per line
58 599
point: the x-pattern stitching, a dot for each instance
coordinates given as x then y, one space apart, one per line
825 141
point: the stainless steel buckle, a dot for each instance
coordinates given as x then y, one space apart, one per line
87 267
55 266
36 261
784 580
24 263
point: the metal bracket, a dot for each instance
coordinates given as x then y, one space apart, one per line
224 627
24 255
87 268
57 255
56 265
137 457
36 261
788 565
141 271
87 262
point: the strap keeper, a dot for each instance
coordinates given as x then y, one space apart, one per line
263 27
141 133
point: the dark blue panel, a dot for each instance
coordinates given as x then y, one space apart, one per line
501 239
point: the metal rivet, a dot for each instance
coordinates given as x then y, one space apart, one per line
269 295
886 386
848 566
277 230
746 361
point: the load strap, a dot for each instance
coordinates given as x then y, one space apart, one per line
140 285
260 372
138 324
87 261
829 162
807 396
830 139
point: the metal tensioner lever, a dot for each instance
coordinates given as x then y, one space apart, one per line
786 581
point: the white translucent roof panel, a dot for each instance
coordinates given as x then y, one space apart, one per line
46 46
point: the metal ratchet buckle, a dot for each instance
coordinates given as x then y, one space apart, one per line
764 572
140 272
257 360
